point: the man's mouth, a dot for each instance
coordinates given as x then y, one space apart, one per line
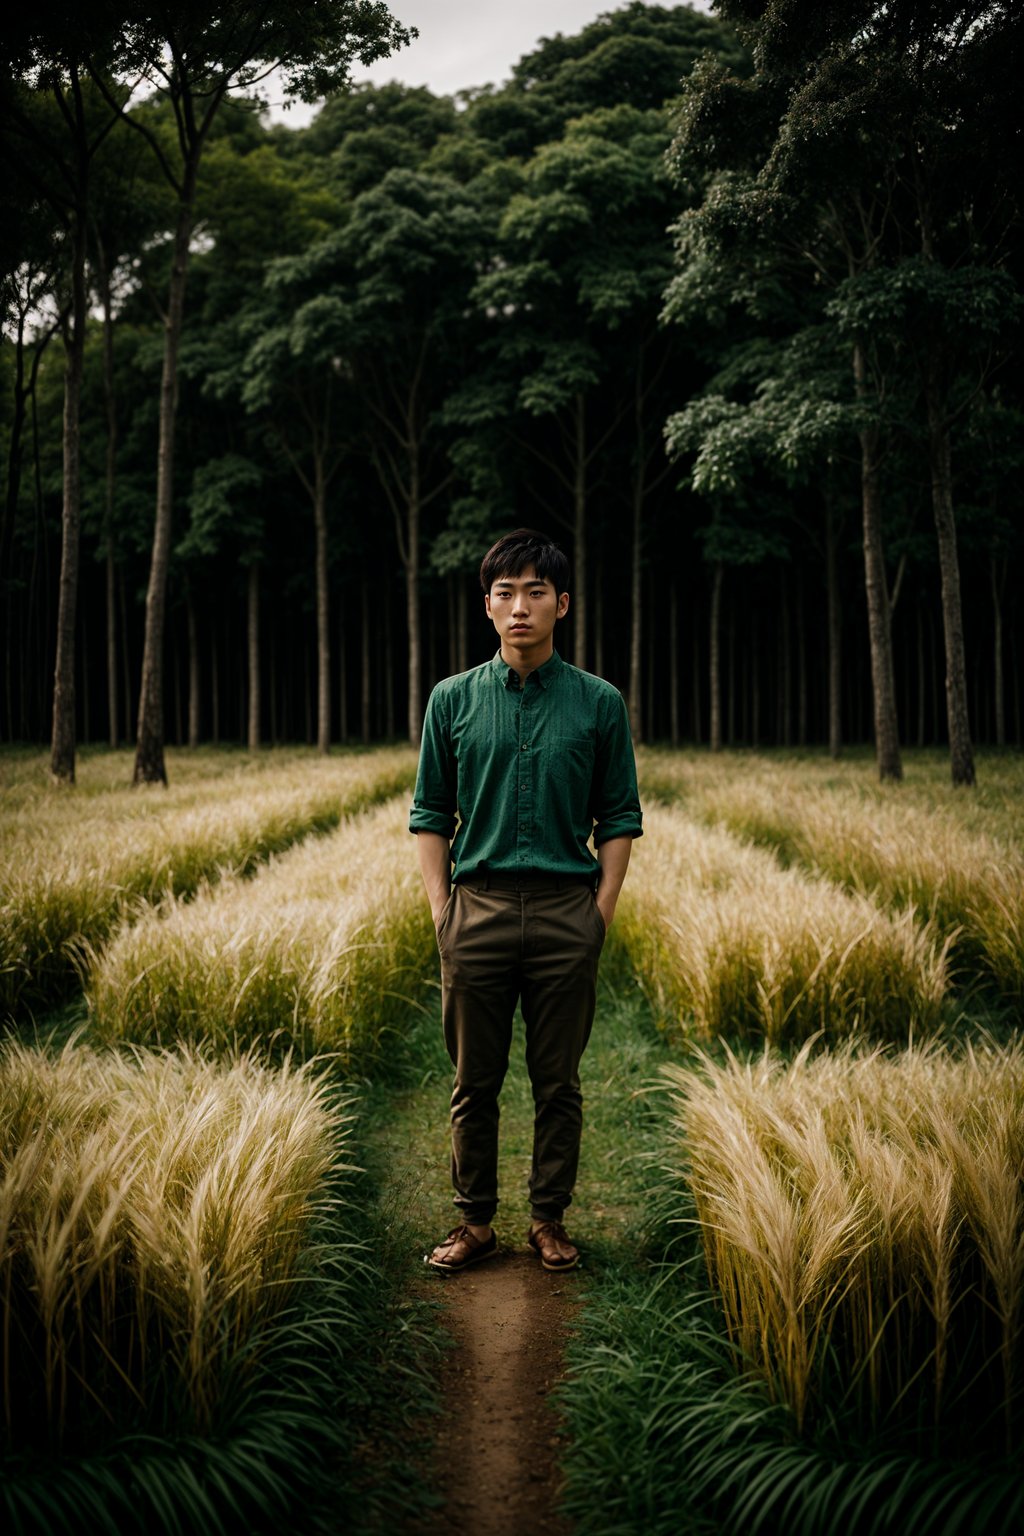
517 627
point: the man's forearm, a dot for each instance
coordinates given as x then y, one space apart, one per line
436 868
613 857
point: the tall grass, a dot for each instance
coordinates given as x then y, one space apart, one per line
724 941
72 870
962 867
322 952
155 1213
863 1224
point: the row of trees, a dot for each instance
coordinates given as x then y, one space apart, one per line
418 322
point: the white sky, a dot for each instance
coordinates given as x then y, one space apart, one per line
463 43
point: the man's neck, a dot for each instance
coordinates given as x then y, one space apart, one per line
524 661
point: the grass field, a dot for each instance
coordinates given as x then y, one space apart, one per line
804 1298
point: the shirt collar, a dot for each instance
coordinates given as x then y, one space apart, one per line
544 674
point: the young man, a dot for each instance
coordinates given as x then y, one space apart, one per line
528 757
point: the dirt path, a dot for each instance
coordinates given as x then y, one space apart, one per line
498 1443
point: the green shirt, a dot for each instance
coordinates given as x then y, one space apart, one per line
528 773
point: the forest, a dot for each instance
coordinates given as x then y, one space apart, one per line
729 304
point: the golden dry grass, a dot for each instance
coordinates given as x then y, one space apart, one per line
154 1208
73 868
724 941
947 856
322 951
864 1214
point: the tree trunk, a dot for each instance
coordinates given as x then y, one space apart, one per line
580 537
801 665
835 635
673 662
412 600
463 612
960 751
364 668
214 686
755 684
110 403
922 679
997 574
785 676
695 680
323 616
887 746
62 745
636 560
253 636
714 659
126 661
149 750
193 670
389 668
342 680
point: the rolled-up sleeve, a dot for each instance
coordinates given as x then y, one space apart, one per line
615 804
435 796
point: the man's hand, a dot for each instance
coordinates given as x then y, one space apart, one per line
436 869
613 857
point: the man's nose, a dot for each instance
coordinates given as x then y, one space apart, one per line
520 605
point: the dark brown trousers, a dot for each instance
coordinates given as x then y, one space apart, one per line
534 940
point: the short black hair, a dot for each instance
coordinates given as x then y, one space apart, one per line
515 552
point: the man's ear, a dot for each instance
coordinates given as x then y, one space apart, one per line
487 604
563 605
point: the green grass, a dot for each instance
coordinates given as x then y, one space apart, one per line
667 1435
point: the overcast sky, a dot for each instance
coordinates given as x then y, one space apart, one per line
463 43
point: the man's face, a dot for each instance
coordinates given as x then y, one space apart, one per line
523 608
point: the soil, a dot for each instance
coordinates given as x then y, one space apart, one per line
499 1437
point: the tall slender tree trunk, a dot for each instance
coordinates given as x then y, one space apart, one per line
342 680
755 684
412 607
887 746
192 633
997 575
579 527
389 668
801 665
110 469
149 750
636 559
673 662
922 679
835 634
695 679
62 742
960 751
214 686
714 657
785 666
126 661
323 614
730 675
253 638
364 664
463 624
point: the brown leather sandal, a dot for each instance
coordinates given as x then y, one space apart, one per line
460 1248
552 1243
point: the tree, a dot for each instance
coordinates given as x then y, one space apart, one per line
52 56
409 253
196 60
877 122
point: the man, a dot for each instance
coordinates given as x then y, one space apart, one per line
529 757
